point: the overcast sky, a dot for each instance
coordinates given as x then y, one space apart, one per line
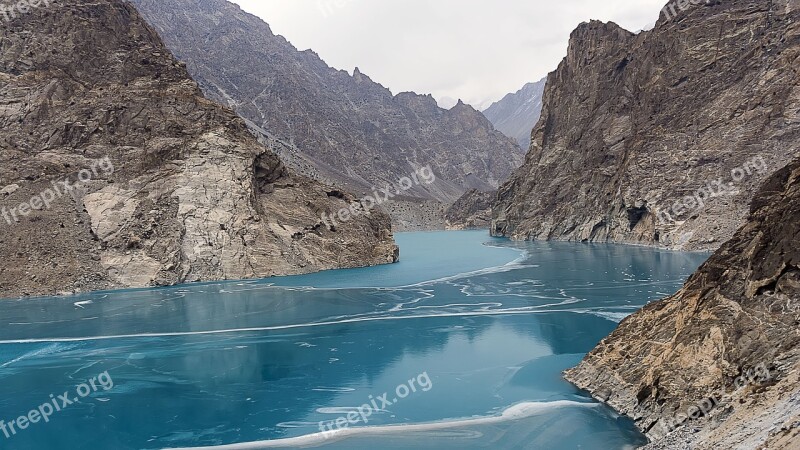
476 50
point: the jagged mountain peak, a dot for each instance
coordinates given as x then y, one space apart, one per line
420 103
361 77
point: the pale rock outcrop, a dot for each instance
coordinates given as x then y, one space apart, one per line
192 196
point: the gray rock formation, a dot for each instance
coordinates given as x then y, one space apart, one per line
343 128
117 172
661 138
516 114
472 211
718 362
416 215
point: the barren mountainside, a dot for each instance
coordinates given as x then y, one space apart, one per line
516 114
472 211
725 350
335 126
663 137
117 172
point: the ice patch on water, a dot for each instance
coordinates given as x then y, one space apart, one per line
342 410
610 315
44 351
512 413
333 389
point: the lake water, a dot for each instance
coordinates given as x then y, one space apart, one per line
459 346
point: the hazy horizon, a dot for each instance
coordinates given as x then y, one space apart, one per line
453 49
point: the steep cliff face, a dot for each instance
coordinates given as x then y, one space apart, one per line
662 137
719 362
347 128
117 172
516 114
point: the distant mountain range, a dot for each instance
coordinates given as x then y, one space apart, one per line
516 114
326 123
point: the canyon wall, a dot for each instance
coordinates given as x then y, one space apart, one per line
662 137
117 172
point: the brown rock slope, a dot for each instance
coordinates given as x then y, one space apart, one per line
662 137
727 346
192 196
332 125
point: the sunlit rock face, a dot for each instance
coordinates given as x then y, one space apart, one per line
165 186
661 137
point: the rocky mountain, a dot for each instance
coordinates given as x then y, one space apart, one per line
718 362
344 128
661 137
516 114
117 172
472 211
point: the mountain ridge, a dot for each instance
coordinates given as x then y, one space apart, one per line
237 59
517 113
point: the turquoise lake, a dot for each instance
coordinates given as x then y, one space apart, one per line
461 345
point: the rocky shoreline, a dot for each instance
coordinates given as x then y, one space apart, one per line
717 365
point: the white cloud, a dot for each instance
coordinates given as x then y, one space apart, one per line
476 50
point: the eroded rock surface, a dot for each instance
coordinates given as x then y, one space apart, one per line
661 138
723 352
192 195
